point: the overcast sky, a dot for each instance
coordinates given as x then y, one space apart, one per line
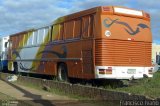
18 15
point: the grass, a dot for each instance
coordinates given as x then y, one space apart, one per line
80 100
149 87
54 91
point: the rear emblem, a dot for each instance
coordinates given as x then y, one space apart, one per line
107 33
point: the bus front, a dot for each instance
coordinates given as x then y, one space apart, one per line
123 47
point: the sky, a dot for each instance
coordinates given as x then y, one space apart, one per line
19 15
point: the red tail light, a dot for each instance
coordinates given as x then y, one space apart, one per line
101 71
109 70
147 15
105 71
106 9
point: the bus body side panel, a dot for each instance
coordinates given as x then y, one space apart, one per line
76 54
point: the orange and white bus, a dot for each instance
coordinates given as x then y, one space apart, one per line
106 42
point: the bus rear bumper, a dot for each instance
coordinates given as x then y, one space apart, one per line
117 72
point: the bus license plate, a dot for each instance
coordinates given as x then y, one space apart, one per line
131 71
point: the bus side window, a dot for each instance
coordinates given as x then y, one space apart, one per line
91 33
40 36
20 40
55 32
35 37
14 40
46 38
24 40
87 26
77 28
10 44
30 38
69 29
61 31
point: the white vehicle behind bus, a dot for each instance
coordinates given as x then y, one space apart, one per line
3 53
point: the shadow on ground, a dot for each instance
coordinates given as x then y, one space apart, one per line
35 98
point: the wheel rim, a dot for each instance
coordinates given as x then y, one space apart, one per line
62 76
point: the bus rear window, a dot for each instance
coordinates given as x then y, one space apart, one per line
127 11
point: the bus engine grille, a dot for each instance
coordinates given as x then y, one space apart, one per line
122 53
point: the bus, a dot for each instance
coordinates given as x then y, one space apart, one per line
105 42
4 53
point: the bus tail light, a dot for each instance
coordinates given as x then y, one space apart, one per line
105 71
106 8
109 70
101 71
150 71
147 15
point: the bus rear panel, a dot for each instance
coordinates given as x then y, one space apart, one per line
123 50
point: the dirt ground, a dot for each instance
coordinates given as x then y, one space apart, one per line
27 96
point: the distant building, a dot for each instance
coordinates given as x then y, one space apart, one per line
155 52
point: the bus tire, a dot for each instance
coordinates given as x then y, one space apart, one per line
1 67
62 74
15 65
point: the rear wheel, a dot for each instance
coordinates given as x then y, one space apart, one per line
15 65
62 74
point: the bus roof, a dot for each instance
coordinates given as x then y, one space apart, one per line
112 10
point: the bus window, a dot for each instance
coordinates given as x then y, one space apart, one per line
87 26
27 39
30 38
15 40
20 40
35 37
91 26
61 31
40 36
46 35
23 40
77 28
55 32
10 44
69 29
